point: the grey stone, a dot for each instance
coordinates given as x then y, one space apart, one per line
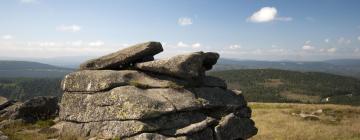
190 129
37 108
125 57
121 129
3 136
206 134
188 66
124 103
232 127
218 97
102 80
210 81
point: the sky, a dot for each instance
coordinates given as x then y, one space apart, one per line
298 30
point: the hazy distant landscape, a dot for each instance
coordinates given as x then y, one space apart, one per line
260 81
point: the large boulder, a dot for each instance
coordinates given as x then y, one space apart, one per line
233 127
188 66
124 58
37 108
169 99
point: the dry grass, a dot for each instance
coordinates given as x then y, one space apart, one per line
276 122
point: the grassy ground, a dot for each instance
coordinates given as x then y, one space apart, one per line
275 121
281 121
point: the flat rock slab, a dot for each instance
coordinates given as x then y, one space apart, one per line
124 103
121 129
232 127
102 80
188 66
126 57
129 102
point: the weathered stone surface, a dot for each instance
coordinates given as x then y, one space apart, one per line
37 108
206 134
232 127
125 57
124 103
154 136
187 66
129 95
113 129
210 60
190 129
129 102
218 97
210 81
8 111
3 100
6 103
3 136
101 80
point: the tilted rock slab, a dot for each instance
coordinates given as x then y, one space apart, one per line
125 57
188 66
102 80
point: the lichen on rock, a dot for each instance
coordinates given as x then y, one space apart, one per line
131 96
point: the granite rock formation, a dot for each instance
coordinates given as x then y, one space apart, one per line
122 96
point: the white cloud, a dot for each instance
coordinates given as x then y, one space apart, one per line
357 50
308 42
308 47
96 43
234 46
185 21
43 44
7 37
326 40
69 28
77 43
331 50
182 44
196 45
343 41
267 14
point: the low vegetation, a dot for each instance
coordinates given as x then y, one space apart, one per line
270 85
281 121
26 88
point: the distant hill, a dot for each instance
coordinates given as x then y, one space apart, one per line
30 69
270 85
346 67
26 88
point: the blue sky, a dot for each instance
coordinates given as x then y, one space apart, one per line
301 30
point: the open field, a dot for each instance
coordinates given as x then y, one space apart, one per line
282 121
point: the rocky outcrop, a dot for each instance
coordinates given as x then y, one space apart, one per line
124 58
160 99
37 108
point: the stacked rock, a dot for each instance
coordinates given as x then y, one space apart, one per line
129 95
